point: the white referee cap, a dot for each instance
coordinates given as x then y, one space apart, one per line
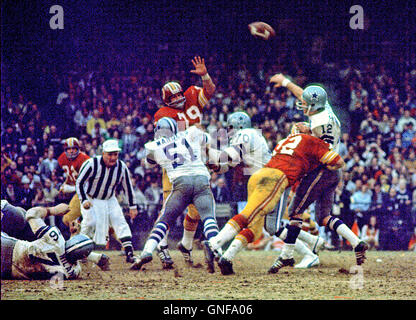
111 146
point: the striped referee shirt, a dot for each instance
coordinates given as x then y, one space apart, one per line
98 181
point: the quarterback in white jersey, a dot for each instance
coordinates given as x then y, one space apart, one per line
326 126
45 257
319 185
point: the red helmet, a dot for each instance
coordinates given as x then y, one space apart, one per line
72 143
171 89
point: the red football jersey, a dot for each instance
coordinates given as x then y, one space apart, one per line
299 154
196 99
71 167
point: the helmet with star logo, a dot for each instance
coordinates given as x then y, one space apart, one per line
313 98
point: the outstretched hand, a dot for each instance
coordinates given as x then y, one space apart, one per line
199 65
277 79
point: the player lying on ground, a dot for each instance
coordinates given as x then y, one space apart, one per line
45 257
15 225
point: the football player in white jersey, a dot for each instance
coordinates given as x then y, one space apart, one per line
181 155
247 145
319 185
45 257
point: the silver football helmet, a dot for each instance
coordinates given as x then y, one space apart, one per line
78 247
314 98
166 127
238 120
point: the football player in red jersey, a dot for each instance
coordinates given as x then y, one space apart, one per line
186 108
71 161
292 158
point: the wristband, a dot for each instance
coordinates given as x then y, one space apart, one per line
205 77
285 82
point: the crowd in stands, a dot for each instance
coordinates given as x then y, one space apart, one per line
118 100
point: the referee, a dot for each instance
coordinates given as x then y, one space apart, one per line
96 186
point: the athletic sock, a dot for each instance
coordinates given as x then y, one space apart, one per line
210 228
233 249
156 236
227 233
188 239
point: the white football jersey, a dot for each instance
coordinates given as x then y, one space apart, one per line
180 155
43 258
248 146
326 126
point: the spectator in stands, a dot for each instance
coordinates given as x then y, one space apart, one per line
48 165
50 192
360 204
26 195
221 192
370 233
96 118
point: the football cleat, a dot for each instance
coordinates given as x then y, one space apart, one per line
139 262
104 262
129 257
165 258
318 245
186 254
360 250
226 266
280 263
308 261
209 256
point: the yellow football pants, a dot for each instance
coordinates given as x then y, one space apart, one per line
264 189
74 210
308 224
192 218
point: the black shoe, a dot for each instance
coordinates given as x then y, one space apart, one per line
139 262
226 266
165 258
280 263
186 254
209 256
130 257
360 250
104 263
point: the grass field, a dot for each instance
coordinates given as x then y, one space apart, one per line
385 275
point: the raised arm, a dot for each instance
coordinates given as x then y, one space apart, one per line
201 70
280 80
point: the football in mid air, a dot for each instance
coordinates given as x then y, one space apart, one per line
261 30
